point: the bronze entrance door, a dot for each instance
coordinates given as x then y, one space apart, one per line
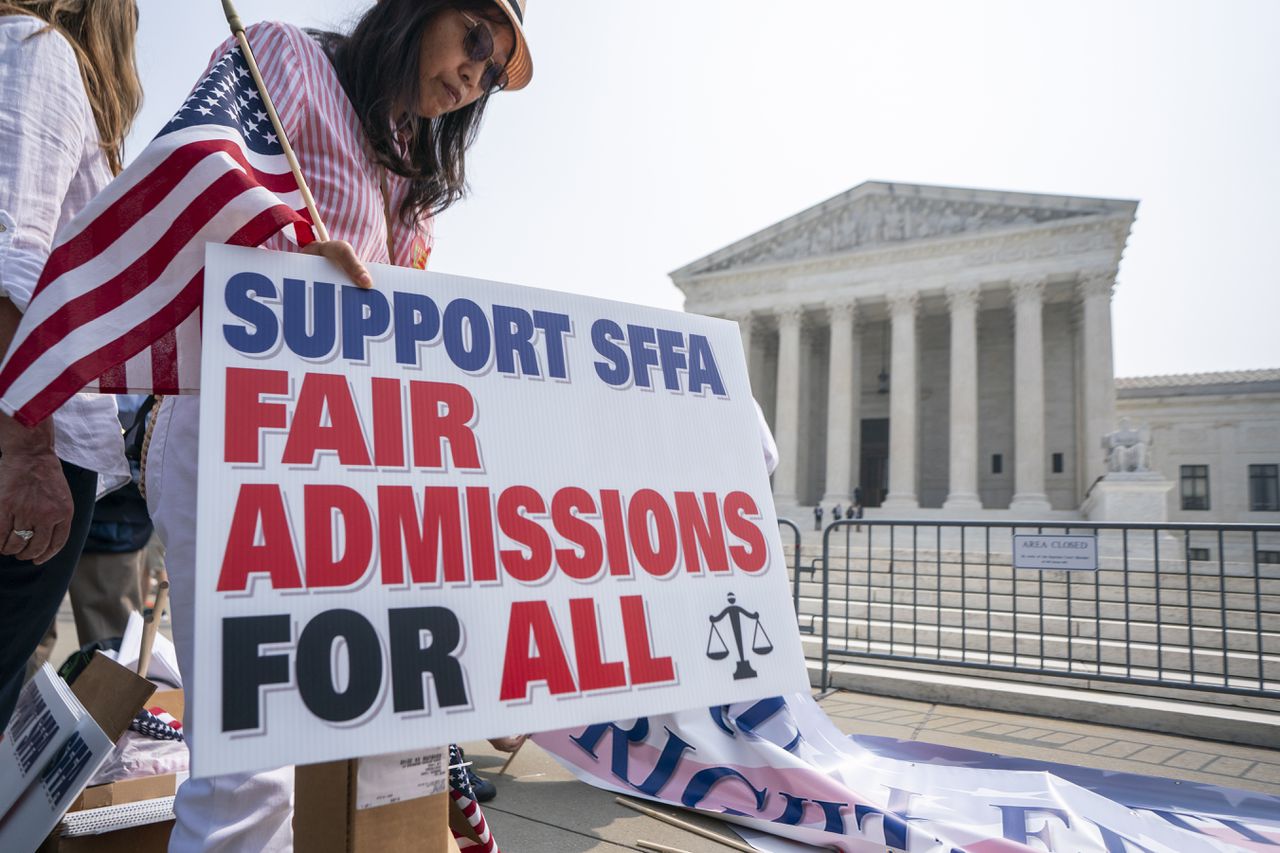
873 473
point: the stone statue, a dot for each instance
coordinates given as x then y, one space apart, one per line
1127 449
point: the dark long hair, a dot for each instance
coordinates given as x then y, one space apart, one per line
377 64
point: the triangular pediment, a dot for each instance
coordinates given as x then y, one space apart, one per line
880 214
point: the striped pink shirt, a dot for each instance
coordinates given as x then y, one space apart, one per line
322 127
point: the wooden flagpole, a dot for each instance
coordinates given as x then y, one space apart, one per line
151 627
683 824
237 29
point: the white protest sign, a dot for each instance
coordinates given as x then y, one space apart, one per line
50 750
447 509
1055 551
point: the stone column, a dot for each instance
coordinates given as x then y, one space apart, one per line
787 421
841 406
855 416
1029 497
903 395
962 491
1097 379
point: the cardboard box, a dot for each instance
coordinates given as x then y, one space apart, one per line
150 838
147 838
111 694
325 819
128 791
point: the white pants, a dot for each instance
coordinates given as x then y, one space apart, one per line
235 813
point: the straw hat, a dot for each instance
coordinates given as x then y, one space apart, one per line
520 65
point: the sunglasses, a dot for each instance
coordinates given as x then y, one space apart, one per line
478 44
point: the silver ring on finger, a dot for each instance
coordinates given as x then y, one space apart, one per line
24 535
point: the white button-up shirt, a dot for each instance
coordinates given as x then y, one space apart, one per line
51 164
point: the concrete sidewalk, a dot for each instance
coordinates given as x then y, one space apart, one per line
541 808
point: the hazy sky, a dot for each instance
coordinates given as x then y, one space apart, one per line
655 133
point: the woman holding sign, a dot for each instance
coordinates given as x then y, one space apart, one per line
381 119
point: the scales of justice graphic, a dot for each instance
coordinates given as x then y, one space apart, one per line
760 642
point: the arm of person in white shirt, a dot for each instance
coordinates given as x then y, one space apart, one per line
768 446
42 136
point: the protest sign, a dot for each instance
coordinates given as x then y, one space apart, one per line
446 509
45 715
50 749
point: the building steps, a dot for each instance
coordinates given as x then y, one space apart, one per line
1259 727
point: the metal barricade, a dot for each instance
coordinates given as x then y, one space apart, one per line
1188 606
794 568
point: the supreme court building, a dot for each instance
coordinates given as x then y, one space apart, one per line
946 350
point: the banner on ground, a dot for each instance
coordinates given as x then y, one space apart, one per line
445 509
780 767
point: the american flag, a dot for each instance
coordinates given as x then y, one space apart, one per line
479 839
484 841
115 308
157 723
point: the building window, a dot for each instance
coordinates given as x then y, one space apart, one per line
1195 486
997 463
1268 556
1199 554
1057 463
1264 488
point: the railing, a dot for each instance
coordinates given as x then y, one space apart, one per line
1188 606
794 568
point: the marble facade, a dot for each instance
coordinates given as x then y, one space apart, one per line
946 350
1223 423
